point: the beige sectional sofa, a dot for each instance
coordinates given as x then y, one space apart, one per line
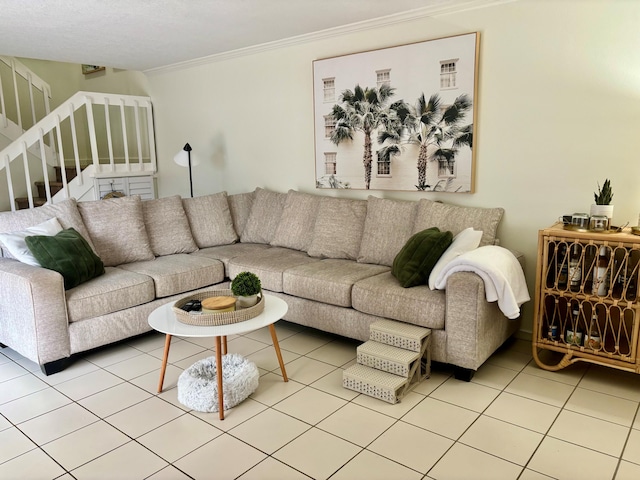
329 258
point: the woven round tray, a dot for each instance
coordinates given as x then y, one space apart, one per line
223 318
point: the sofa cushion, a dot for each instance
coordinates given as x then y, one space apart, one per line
383 296
387 227
264 217
269 265
328 281
66 212
210 220
240 207
15 242
416 259
455 219
67 253
116 290
116 227
224 253
295 229
167 226
338 229
464 242
179 273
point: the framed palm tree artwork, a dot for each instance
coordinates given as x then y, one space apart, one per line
398 118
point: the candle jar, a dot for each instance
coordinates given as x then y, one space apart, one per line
599 223
580 220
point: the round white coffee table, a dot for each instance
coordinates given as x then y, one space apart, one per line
164 320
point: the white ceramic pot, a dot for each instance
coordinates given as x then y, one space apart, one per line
245 302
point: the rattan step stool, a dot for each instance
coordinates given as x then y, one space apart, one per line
395 360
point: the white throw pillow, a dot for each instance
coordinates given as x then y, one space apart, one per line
465 241
15 243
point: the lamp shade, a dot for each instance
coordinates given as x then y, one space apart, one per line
182 159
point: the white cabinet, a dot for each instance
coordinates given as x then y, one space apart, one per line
142 185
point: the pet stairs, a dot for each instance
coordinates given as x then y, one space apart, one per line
394 360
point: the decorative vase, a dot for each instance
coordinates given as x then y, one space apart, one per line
248 301
606 210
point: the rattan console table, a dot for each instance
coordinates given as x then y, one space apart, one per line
586 304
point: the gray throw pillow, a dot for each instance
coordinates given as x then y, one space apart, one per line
297 222
210 220
167 226
264 217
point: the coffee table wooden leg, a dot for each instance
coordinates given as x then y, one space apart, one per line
224 345
219 375
165 357
276 345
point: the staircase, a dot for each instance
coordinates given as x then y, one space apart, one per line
91 137
394 360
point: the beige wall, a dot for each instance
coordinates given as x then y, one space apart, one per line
558 111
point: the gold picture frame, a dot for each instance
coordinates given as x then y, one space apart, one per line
87 69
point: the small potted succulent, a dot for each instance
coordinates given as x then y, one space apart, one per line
246 287
603 198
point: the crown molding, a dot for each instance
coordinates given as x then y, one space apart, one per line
403 17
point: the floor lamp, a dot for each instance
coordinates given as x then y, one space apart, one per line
183 158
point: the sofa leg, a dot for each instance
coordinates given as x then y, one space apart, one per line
464 374
2 345
56 366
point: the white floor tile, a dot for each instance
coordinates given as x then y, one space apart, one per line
395 410
20 387
332 383
302 343
307 370
605 407
411 446
566 461
112 354
34 464
442 418
524 412
130 459
269 430
590 432
114 399
270 468
338 352
144 417
310 405
30 406
245 346
178 351
632 449
505 440
169 473
14 443
436 379
76 369
135 366
469 395
85 444
230 456
11 370
462 461
356 424
612 382
179 437
272 389
267 359
88 384
370 466
628 471
317 454
57 423
540 389
494 376
240 413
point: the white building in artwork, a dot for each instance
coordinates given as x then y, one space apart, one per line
446 66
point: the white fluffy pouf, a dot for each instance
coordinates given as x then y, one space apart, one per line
198 384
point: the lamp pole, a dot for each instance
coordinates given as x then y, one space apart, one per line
187 148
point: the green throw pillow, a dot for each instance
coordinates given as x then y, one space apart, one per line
69 254
414 262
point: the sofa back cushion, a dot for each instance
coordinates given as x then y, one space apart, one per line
264 217
387 227
455 219
66 212
210 220
338 229
116 227
240 207
167 226
297 222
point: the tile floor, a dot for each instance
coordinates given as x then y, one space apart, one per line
102 418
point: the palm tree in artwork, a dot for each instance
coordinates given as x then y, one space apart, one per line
434 128
361 110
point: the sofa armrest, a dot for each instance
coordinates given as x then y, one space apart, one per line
475 328
33 312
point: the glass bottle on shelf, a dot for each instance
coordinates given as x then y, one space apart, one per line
600 277
563 273
575 270
574 333
592 340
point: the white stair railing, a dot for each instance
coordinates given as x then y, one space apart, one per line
77 128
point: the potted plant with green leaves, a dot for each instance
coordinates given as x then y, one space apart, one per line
602 199
246 287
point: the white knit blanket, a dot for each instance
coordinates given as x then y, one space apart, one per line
502 274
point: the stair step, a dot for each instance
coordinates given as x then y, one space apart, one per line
70 172
399 334
387 358
22 203
375 383
55 187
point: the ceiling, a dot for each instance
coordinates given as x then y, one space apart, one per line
150 34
